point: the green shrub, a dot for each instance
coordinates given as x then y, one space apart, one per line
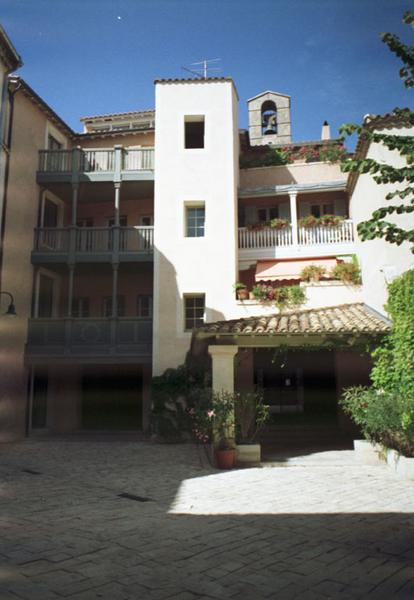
384 418
250 415
385 412
286 296
279 223
347 272
312 273
173 393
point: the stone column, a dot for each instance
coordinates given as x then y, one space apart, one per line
223 367
294 217
223 381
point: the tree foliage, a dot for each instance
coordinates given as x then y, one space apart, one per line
403 177
385 411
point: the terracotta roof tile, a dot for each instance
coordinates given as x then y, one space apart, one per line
343 319
193 79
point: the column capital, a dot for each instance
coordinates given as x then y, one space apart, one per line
227 350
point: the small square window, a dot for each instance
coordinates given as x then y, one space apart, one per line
195 221
194 131
194 309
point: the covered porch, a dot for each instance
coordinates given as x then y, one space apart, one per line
301 360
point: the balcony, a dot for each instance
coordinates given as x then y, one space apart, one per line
93 244
89 339
115 164
308 241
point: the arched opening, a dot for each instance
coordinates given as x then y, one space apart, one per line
269 118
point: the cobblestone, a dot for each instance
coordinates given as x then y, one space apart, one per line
316 527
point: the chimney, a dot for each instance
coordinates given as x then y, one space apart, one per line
326 131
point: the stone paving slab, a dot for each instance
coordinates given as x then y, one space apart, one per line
317 526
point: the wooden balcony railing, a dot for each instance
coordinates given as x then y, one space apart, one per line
55 161
138 159
68 336
311 236
97 160
264 238
307 236
105 160
93 240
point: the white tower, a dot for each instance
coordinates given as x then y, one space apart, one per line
195 210
269 119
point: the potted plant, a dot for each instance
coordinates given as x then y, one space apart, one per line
312 273
347 272
255 226
241 291
279 223
309 221
250 416
331 220
213 422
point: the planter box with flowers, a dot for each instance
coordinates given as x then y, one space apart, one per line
272 224
324 221
286 296
241 291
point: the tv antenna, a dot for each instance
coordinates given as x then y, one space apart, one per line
204 67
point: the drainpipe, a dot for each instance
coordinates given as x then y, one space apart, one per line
7 148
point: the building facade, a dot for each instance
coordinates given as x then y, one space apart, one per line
122 240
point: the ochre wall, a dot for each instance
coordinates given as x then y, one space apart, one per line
28 136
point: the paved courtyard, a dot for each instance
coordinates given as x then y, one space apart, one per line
317 527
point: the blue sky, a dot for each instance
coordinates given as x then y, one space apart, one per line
88 57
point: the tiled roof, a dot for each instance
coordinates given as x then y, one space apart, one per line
343 319
8 52
131 113
17 83
387 120
193 80
373 123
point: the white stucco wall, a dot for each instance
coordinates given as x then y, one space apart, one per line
380 260
185 265
290 174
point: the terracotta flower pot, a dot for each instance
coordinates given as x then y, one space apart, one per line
243 294
225 458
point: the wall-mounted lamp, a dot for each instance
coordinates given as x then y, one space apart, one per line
11 309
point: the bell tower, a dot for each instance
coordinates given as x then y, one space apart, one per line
269 119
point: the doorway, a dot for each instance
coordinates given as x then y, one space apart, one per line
112 398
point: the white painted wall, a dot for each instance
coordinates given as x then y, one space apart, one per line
290 174
380 260
193 265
